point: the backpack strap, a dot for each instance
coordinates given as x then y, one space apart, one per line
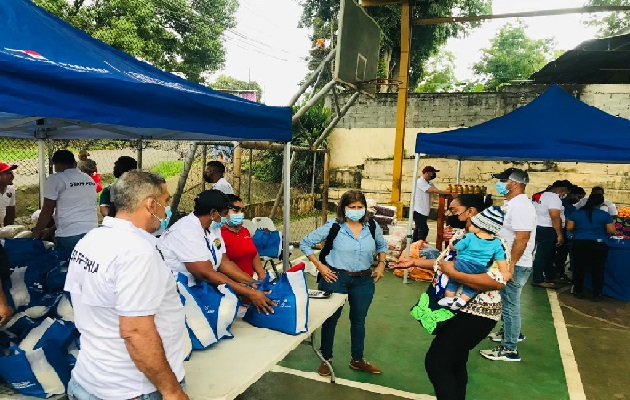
372 226
332 234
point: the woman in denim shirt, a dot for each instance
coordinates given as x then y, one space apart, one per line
347 270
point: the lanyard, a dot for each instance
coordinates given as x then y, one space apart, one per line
211 248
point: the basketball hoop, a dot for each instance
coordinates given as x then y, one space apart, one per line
374 85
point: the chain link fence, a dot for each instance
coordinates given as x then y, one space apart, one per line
258 182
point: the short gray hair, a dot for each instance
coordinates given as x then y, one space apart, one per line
134 186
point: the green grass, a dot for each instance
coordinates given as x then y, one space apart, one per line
17 154
168 168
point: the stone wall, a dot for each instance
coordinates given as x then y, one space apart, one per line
376 179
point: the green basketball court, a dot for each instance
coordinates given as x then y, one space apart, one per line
594 342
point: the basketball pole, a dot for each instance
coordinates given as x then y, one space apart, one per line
401 111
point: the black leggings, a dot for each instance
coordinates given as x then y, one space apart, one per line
447 356
590 256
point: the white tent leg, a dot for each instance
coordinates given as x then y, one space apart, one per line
41 150
459 170
411 204
286 229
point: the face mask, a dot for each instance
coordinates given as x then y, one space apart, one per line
218 225
236 219
164 222
501 188
454 222
355 215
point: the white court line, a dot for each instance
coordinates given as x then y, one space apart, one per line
369 387
571 372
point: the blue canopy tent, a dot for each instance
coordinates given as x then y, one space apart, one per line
57 82
555 126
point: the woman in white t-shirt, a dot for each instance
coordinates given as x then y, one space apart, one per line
193 246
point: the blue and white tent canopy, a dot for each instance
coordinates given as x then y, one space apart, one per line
55 76
555 126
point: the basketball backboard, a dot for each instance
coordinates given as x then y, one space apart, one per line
358 44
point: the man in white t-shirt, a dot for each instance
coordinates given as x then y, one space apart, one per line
422 202
194 247
608 205
7 194
126 304
549 236
70 195
214 174
519 231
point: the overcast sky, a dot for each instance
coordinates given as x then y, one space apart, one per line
267 46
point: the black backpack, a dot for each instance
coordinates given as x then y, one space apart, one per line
332 234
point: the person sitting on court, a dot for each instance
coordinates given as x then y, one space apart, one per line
239 245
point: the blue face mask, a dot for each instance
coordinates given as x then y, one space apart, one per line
236 219
501 188
355 215
164 222
218 225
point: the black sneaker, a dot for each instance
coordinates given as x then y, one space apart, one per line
500 353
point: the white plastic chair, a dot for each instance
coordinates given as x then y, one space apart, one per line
266 223
250 225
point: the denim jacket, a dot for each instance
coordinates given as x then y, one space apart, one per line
348 253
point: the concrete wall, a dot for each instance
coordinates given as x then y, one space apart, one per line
368 129
364 139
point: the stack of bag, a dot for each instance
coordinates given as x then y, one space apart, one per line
210 311
39 344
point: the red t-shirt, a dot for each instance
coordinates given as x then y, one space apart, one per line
240 248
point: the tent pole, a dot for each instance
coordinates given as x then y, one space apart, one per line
459 170
236 170
41 151
249 178
204 160
183 177
411 205
286 229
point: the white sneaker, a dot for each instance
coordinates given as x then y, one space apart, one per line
500 353
447 301
458 303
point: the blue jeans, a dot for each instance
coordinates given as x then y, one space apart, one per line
360 291
469 267
511 311
78 392
67 243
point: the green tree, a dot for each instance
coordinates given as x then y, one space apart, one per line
305 133
321 16
174 35
512 55
439 74
610 24
229 83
